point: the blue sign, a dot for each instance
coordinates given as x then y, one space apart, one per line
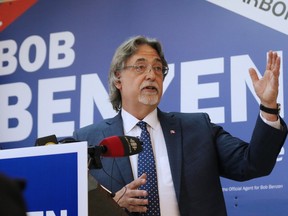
55 176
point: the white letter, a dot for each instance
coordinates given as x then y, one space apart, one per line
61 53
15 98
38 213
192 91
63 213
239 79
40 53
8 62
48 106
93 91
281 154
50 213
169 77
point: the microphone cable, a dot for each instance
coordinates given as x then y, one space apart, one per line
116 180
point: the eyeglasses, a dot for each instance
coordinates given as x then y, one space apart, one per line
144 67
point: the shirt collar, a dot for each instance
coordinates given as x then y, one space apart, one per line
129 121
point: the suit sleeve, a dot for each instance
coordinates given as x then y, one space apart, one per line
243 161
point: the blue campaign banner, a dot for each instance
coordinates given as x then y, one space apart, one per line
55 58
55 176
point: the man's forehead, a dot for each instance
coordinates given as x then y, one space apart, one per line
142 59
145 53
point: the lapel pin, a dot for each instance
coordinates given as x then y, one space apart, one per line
172 132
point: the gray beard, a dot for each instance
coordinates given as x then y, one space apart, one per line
148 99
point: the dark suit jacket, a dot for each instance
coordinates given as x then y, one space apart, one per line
199 152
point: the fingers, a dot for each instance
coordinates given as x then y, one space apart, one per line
272 66
269 61
129 196
137 205
138 182
253 74
276 68
273 62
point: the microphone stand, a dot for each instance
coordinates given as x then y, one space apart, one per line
94 161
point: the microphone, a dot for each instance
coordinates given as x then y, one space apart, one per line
52 139
47 140
117 146
114 146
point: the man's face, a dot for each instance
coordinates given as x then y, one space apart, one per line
140 89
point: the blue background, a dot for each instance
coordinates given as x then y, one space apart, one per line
188 31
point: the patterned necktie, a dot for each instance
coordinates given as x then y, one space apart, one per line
146 164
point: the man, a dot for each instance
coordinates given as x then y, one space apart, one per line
190 151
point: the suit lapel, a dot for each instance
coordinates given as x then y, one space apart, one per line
172 133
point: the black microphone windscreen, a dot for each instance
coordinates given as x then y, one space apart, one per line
47 140
132 145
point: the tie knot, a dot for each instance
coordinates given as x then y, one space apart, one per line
142 125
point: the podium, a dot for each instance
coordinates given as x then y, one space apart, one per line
57 181
100 201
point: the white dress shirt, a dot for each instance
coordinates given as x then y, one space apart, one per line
167 196
275 124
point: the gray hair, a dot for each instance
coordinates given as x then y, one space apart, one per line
122 53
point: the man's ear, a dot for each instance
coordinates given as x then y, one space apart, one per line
117 83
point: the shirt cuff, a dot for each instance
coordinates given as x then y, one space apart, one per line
275 124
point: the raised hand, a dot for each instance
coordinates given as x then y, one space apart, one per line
266 88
